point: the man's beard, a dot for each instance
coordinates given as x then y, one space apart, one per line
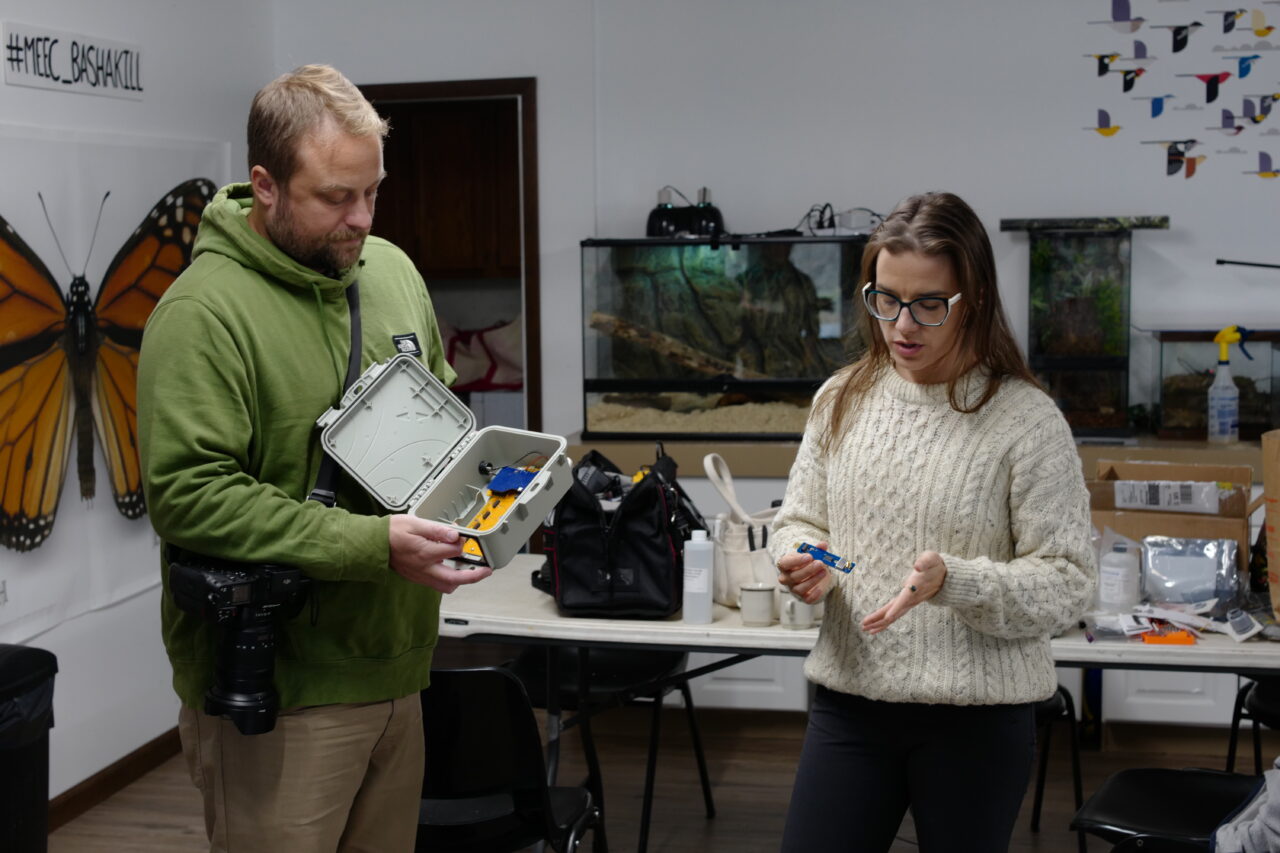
322 253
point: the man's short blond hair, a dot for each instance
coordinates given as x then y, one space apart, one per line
295 104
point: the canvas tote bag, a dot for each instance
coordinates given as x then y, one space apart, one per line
740 538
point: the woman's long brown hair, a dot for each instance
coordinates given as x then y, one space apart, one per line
939 225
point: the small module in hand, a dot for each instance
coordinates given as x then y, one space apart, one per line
840 564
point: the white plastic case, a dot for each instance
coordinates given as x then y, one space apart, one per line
413 445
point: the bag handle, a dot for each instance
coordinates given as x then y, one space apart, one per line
720 476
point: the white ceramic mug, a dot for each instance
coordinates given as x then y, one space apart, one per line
794 613
755 600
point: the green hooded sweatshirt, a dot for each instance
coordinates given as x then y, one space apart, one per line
242 354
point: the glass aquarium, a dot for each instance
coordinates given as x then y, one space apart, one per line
1078 335
714 337
1187 362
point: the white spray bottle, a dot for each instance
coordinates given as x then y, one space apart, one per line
1224 396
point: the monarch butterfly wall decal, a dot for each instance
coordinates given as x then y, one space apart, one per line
69 362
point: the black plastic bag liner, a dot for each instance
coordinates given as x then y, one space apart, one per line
26 694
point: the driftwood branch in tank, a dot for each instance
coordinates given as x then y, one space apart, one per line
668 347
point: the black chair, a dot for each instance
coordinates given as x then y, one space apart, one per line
1057 707
1155 844
484 788
616 677
1257 701
1145 807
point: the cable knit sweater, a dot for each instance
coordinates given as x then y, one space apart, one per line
999 493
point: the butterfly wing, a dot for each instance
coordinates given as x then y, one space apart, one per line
138 276
35 394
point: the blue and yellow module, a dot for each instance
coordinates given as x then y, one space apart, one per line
840 564
504 488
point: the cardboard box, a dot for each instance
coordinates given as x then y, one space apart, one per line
1136 525
1172 487
1271 500
1161 503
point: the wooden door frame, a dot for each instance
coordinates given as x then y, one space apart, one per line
525 89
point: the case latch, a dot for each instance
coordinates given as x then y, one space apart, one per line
357 388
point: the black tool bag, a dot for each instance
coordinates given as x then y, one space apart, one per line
615 548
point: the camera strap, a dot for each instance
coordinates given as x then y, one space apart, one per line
326 479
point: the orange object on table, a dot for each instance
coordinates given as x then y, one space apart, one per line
1176 637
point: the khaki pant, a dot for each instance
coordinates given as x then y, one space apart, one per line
328 778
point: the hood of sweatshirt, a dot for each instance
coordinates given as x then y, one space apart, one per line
225 230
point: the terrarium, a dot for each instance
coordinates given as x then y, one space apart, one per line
1187 363
1078 335
723 337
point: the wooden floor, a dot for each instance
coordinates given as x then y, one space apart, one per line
751 756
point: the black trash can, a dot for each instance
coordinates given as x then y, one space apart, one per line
26 715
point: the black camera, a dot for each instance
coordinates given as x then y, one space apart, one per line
243 601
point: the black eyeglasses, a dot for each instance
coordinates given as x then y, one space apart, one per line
927 310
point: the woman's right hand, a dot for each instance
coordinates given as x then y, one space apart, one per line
807 578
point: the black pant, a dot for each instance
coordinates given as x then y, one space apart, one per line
963 770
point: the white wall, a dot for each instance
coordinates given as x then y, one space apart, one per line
202 62
400 41
778 106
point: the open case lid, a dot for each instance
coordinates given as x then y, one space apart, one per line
395 430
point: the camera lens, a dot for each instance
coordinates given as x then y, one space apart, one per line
245 603
243 688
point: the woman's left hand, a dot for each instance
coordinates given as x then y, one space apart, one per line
926 578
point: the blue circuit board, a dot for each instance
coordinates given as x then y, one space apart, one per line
511 479
840 564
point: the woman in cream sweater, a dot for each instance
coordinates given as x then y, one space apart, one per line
941 469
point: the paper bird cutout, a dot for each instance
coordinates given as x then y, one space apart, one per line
1104 61
1211 83
1181 33
1140 56
1244 64
1229 17
1157 103
1129 76
1228 125
1265 169
1105 127
1176 159
1121 21
1258 23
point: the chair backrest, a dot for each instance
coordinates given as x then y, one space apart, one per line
482 739
1155 844
1162 803
1263 701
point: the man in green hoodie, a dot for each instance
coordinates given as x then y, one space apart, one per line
245 350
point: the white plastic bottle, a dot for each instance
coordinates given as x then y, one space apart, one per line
699 553
1224 397
1224 407
1118 580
